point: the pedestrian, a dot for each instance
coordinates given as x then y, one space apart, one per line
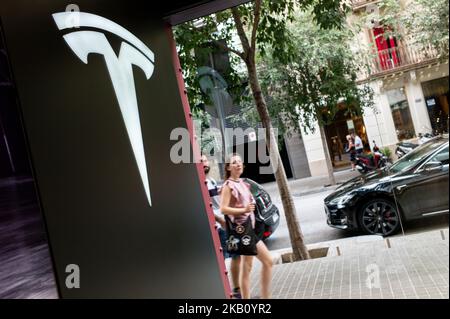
351 149
359 146
238 204
375 148
213 190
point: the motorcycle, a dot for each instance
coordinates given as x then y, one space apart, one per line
423 138
404 148
366 163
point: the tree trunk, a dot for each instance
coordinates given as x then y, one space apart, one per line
299 248
326 150
300 251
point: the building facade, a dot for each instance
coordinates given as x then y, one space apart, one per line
410 87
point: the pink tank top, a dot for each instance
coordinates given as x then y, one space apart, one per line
240 198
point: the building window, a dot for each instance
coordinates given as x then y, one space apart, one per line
388 50
401 114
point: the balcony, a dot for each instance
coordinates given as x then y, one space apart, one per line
398 59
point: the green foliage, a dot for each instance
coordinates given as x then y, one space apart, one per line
218 32
317 83
304 64
209 140
386 151
195 44
428 20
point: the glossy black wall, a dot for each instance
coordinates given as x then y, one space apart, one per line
95 208
13 155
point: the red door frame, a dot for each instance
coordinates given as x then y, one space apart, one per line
196 150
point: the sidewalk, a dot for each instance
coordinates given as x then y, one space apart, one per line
367 267
310 185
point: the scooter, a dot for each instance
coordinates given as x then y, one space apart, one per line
423 138
367 163
404 148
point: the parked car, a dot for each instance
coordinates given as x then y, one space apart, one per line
266 212
415 186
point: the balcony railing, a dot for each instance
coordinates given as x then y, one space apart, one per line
400 58
358 4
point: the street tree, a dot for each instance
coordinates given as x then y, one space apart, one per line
260 26
319 82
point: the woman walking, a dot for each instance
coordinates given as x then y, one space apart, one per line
238 204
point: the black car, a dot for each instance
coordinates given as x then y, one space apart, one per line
415 186
267 214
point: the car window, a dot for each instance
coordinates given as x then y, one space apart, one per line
442 157
411 159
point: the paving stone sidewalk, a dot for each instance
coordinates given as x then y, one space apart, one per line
368 267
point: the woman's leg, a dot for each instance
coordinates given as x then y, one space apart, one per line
235 269
246 268
266 274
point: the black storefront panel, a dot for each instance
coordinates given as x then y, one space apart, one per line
134 231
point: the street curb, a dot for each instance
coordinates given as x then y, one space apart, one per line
316 191
277 259
342 245
307 193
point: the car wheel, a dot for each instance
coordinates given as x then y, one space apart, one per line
379 217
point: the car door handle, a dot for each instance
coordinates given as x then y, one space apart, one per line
401 187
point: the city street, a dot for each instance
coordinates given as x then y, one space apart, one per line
310 212
312 218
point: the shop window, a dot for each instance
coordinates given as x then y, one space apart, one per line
401 114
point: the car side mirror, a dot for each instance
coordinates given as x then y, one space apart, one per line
432 166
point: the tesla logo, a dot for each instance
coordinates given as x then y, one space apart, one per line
120 68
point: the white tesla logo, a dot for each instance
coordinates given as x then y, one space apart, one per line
120 70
